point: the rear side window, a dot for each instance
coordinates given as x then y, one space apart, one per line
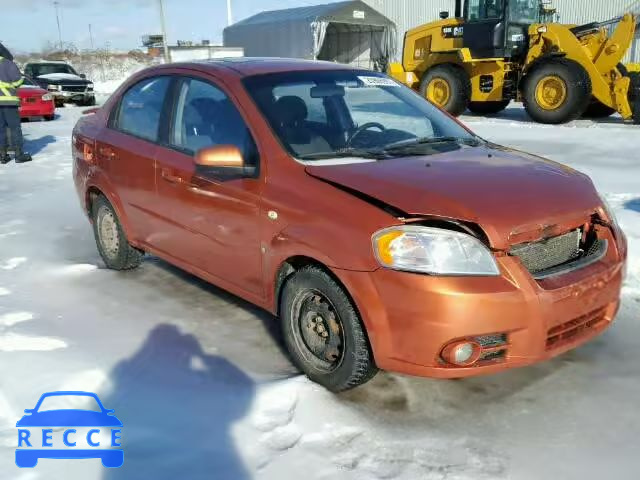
141 108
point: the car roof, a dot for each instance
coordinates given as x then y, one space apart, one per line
248 66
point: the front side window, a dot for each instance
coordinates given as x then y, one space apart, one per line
206 117
141 108
363 111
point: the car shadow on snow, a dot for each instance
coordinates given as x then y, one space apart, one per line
36 145
633 205
177 405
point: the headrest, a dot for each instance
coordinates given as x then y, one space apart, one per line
290 109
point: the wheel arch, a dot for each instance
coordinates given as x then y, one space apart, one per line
92 192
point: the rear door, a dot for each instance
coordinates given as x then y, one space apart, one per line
127 149
211 220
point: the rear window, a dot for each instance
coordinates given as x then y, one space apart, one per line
141 108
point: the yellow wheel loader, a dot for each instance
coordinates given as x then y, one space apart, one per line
496 51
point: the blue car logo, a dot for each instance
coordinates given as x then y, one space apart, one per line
84 433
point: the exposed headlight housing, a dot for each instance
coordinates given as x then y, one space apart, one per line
435 251
611 216
54 88
90 86
47 97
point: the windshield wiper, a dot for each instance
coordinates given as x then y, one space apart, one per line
351 152
413 142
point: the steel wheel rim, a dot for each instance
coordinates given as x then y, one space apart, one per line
317 330
108 232
438 91
551 92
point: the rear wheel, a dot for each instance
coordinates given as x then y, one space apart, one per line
448 87
488 108
323 331
48 118
556 91
115 250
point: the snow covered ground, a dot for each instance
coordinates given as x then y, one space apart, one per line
204 390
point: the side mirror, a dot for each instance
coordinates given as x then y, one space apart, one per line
444 15
223 161
82 75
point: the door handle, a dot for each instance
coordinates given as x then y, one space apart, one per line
171 178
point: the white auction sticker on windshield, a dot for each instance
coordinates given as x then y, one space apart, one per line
378 82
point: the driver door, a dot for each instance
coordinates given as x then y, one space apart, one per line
211 220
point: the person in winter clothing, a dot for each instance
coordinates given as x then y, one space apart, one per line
10 80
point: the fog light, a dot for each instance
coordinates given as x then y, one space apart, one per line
461 353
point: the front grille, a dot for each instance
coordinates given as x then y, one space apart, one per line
576 328
540 256
74 88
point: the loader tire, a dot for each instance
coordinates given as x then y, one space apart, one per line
448 87
634 96
556 91
597 109
488 108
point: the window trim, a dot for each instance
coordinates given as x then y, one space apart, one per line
112 122
171 109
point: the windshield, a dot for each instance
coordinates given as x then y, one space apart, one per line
69 402
524 11
49 68
326 114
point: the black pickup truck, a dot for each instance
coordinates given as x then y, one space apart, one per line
62 81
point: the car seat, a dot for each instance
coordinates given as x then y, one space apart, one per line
291 113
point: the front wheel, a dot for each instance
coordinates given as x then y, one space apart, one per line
556 91
115 250
323 331
448 87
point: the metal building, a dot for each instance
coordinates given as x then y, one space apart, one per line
408 14
348 32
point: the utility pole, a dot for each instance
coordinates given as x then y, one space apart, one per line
167 57
56 5
91 36
229 16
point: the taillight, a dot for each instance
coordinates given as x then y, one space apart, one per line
88 152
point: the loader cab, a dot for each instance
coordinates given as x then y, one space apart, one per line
497 28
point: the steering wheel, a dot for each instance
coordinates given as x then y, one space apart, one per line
362 128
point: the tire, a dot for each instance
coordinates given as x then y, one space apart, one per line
113 246
488 108
452 78
48 118
344 359
573 82
596 109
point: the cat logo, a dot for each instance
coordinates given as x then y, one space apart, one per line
452 32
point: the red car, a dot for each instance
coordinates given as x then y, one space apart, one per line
35 101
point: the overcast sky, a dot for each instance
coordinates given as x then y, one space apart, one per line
27 25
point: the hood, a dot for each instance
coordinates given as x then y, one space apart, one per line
59 77
509 194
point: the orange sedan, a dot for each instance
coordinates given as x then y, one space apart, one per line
382 232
